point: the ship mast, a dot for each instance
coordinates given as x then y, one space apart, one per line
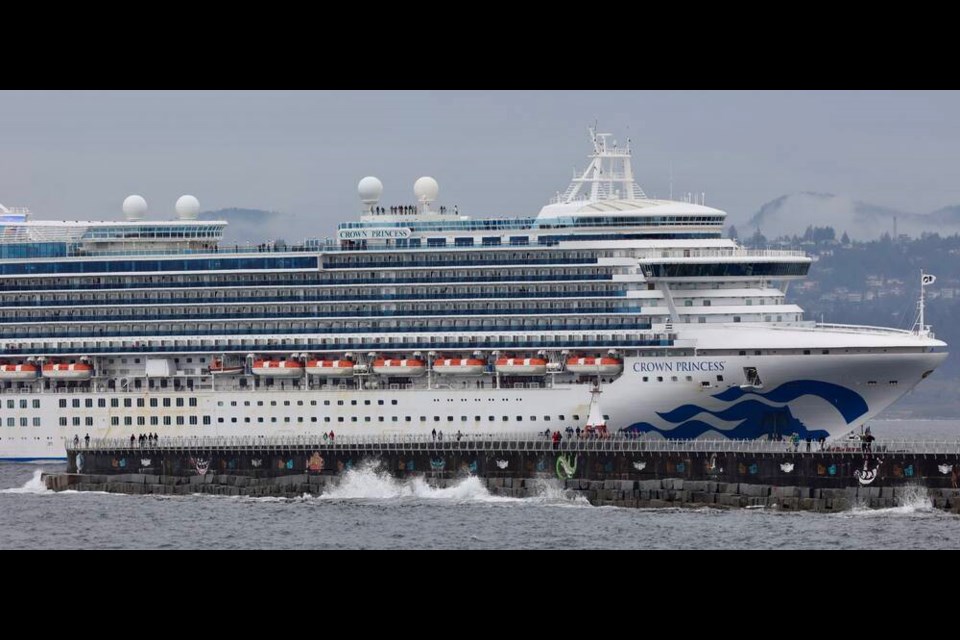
609 176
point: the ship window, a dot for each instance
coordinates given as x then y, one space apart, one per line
646 379
259 403
75 403
576 417
406 418
127 420
893 382
561 418
393 402
719 378
423 418
506 418
673 378
436 418
114 402
193 420
63 421
206 419
76 421
286 403
193 402
825 352
63 403
353 418
806 352
273 403
166 402
378 402
326 403
154 420
180 403
659 378
353 402
449 418
140 402
367 402
492 418
179 420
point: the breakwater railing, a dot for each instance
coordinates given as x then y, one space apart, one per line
505 442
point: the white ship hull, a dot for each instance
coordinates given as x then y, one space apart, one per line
812 396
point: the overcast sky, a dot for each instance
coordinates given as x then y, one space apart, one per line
76 155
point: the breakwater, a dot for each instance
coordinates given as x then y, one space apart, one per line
615 471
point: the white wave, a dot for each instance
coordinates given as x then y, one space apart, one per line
914 500
33 485
370 482
552 492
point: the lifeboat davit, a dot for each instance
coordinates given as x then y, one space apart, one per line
218 368
603 366
278 368
522 366
63 371
397 367
18 371
459 366
330 368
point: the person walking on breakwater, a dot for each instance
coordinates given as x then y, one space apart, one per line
132 440
86 440
434 434
76 441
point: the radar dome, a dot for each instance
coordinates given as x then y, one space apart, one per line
426 189
188 208
134 207
370 190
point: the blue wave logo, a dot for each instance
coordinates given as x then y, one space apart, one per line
757 419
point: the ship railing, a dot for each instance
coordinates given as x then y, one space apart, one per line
502 442
855 328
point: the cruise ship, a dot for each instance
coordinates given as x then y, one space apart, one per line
416 318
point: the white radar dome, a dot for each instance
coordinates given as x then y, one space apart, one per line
134 207
188 208
426 189
370 190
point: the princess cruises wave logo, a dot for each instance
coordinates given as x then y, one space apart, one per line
752 418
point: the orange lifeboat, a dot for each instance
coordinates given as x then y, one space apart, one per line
603 366
64 371
218 368
399 367
522 366
18 371
459 366
330 368
278 368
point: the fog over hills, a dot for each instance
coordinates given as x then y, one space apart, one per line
791 214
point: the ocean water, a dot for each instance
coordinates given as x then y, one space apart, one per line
371 510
